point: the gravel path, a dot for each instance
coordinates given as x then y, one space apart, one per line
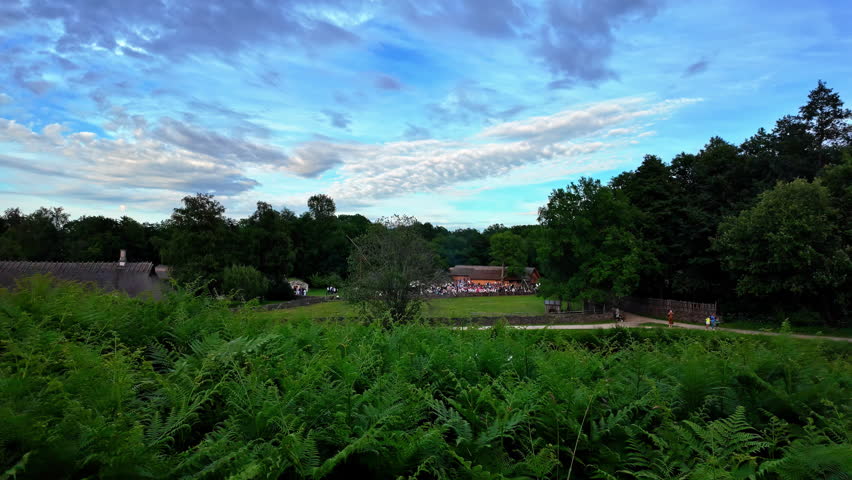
634 321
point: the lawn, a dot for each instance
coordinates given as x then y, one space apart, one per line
485 306
461 307
803 329
764 327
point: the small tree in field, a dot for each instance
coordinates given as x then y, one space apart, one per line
390 267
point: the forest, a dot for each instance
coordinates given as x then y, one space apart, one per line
762 227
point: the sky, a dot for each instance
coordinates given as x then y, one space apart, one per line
460 113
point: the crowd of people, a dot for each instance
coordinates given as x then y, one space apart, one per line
462 288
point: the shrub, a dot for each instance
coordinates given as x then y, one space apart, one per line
246 281
320 281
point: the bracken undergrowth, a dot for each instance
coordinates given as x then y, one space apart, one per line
103 386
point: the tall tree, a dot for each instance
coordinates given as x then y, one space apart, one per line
590 250
138 239
321 206
10 241
826 120
266 238
788 248
659 201
321 241
199 240
711 184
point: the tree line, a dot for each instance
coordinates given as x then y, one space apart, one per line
760 227
256 254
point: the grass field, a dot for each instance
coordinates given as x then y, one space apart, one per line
461 307
803 329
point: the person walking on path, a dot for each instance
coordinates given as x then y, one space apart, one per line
713 321
670 317
707 323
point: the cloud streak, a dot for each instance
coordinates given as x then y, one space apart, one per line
696 68
582 122
399 168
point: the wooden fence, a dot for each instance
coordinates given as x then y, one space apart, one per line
684 311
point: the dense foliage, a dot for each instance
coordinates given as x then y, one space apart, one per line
590 249
763 227
99 385
244 282
390 267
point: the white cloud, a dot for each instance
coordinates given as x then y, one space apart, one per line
104 163
584 122
4 99
370 172
395 169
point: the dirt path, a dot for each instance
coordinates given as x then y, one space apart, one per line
634 321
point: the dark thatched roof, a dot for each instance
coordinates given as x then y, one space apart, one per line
134 278
58 268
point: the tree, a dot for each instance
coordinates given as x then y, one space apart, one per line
246 281
320 238
92 239
494 228
389 268
138 239
788 247
654 191
589 250
826 119
199 240
838 180
509 251
266 238
10 247
321 206
38 236
464 246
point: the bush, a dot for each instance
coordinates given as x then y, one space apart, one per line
804 317
319 281
246 281
279 288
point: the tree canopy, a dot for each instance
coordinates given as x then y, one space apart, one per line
389 268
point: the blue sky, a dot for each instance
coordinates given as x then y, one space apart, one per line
459 113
